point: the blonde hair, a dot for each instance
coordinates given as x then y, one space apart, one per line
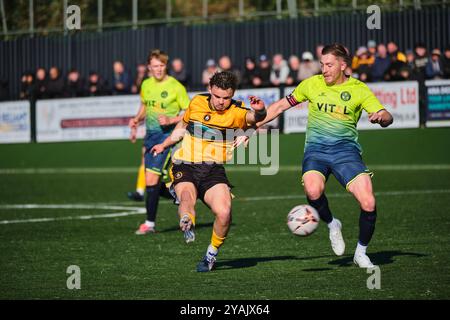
159 55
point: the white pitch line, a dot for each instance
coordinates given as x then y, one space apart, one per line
236 168
139 210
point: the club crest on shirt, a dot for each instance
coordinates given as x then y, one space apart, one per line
164 94
346 96
178 175
207 117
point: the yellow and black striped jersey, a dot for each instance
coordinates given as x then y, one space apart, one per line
210 133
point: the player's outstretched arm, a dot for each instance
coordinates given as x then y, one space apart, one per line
383 117
274 110
176 135
168 121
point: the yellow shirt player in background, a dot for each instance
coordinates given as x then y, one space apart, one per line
336 102
207 130
162 99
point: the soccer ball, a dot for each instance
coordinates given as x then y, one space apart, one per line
303 220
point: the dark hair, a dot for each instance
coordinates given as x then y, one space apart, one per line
224 80
338 50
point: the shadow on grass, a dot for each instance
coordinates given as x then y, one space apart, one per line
251 262
197 226
378 258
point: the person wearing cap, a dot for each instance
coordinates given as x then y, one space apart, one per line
308 67
264 70
372 47
433 70
211 68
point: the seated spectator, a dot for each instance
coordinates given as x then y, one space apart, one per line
446 63
41 84
225 64
179 72
121 79
434 69
27 88
381 64
211 69
308 67
142 73
4 92
280 70
264 71
74 86
294 69
405 73
96 86
250 77
55 86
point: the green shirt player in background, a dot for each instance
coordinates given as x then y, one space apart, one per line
162 100
331 147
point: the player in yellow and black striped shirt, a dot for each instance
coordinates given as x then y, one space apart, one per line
207 131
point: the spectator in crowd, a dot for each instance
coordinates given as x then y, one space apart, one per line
74 86
142 73
308 66
319 49
55 85
4 93
264 70
410 58
211 69
121 79
372 50
446 63
179 72
250 76
280 70
294 69
96 86
394 53
381 64
405 73
27 87
361 64
225 64
419 74
398 60
41 83
434 69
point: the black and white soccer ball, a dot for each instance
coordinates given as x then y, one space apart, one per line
303 220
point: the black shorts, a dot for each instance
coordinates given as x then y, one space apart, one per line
203 176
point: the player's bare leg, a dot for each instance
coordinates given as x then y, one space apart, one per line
187 196
362 190
218 199
314 185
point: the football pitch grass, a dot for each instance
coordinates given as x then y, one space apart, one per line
65 204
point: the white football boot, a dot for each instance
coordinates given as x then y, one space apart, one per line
337 241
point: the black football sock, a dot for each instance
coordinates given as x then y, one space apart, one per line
151 201
321 205
164 192
366 226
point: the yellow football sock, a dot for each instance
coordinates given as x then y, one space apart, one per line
192 218
140 184
216 241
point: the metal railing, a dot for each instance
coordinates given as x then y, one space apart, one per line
283 9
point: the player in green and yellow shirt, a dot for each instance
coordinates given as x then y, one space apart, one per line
336 102
162 99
